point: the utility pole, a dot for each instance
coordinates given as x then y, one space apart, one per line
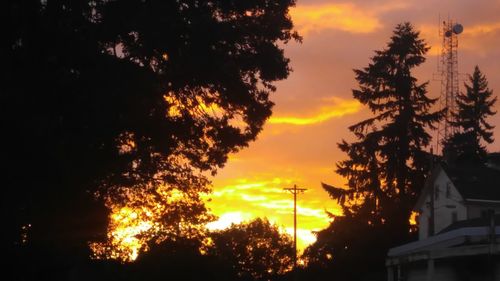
431 219
294 190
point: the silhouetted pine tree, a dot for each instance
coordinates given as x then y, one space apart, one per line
387 164
474 107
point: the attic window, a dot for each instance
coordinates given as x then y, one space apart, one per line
436 192
448 190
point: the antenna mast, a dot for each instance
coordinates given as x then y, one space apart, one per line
448 72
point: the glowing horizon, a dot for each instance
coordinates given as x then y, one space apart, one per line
267 199
314 106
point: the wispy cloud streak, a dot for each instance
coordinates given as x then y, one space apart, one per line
339 108
345 17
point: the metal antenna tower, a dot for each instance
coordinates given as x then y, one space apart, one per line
448 72
294 190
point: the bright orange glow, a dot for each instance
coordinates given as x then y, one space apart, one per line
346 17
139 221
226 219
304 152
195 106
130 228
304 236
413 218
243 200
338 109
126 234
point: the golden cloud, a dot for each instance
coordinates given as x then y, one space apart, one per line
227 219
480 29
241 200
468 40
345 17
339 108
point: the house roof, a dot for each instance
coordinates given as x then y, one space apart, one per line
482 221
474 182
494 160
494 157
428 185
478 182
477 235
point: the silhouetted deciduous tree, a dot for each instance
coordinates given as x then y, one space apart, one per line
181 260
256 249
112 99
474 107
387 164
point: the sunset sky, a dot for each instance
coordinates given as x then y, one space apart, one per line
314 106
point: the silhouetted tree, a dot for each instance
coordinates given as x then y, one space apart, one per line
474 107
112 99
256 249
181 260
387 164
349 249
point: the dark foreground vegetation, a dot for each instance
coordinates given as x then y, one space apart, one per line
110 104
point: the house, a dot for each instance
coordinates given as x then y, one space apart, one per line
459 227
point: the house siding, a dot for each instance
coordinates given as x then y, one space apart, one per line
475 269
476 211
463 252
442 272
447 200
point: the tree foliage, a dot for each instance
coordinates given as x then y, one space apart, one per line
256 249
474 107
387 163
181 260
115 99
349 249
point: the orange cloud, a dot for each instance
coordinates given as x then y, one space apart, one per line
481 29
227 219
345 17
338 109
468 40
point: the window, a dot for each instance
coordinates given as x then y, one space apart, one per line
454 217
484 214
436 192
430 227
487 213
448 190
